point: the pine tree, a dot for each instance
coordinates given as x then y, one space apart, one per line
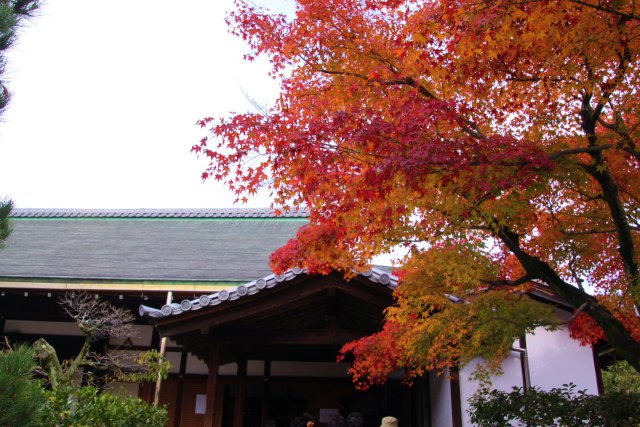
12 14
5 224
21 396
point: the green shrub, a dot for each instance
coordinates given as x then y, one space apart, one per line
21 396
562 406
621 377
86 406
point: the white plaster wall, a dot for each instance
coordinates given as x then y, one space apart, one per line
555 359
42 328
174 358
511 377
141 336
255 368
440 392
196 366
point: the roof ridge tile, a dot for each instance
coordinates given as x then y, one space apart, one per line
158 213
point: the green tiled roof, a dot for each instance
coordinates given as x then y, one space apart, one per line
146 244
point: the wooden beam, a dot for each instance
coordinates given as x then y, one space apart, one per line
378 298
212 382
266 378
239 404
306 337
234 311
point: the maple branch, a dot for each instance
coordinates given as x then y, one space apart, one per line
513 76
574 273
352 153
609 86
586 232
627 143
610 192
617 335
589 149
628 16
407 81
600 172
468 126
586 197
576 313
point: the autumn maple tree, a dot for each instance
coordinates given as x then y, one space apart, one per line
494 140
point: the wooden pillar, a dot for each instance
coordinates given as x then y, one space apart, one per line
177 414
162 351
598 369
407 407
264 410
238 414
212 382
524 363
148 391
456 404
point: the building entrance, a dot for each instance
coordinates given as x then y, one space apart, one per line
329 400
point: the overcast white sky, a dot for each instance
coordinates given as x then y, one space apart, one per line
105 99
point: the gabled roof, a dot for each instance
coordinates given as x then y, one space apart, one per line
374 275
295 316
213 245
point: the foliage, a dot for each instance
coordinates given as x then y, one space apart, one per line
98 319
95 317
562 406
66 402
146 367
21 396
5 224
12 14
86 406
495 139
443 330
621 378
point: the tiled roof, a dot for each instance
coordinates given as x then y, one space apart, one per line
217 245
156 213
375 275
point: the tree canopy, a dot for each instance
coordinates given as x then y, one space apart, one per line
495 140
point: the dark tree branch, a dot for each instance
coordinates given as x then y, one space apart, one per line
617 335
590 149
627 16
585 232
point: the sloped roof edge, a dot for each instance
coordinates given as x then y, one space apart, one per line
375 275
158 213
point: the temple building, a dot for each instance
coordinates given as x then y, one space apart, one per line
246 346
